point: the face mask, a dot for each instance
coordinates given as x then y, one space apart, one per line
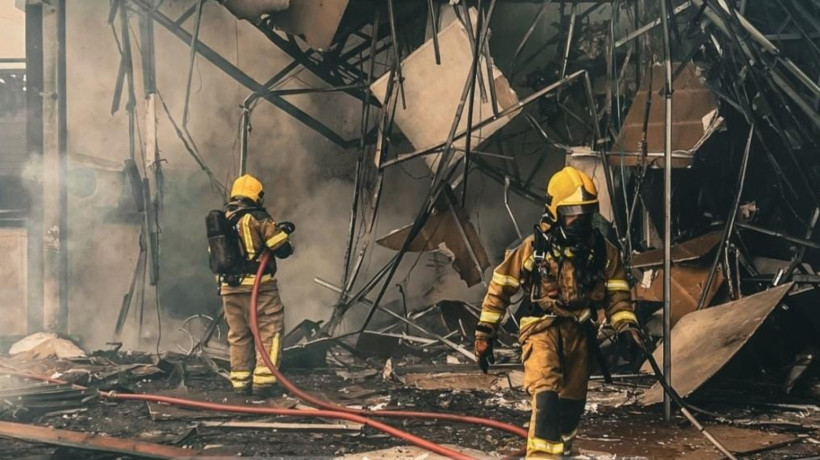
578 231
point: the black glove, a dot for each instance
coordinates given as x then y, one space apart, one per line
484 339
286 227
631 344
631 336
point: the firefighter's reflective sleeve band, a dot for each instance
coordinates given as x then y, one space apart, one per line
527 320
583 315
488 316
529 263
505 280
538 445
248 280
262 375
240 379
276 240
617 285
246 235
623 316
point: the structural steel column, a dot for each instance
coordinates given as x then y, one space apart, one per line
667 214
54 192
34 151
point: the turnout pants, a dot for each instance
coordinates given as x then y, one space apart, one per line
555 353
247 365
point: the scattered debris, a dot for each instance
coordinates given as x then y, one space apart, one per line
46 345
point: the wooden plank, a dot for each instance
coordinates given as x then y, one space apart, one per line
283 426
90 441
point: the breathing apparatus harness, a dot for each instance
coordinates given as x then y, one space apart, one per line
560 242
227 255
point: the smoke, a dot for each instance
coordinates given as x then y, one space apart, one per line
308 181
307 178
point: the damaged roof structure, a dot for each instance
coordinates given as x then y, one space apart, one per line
410 142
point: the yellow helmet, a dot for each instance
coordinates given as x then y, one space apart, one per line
247 186
570 193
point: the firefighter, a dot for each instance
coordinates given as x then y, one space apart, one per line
566 269
256 231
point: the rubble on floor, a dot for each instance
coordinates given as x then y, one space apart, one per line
432 380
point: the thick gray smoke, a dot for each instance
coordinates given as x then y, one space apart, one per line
308 181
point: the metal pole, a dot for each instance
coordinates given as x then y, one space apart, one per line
34 148
191 59
360 163
667 214
569 40
731 223
433 29
507 205
62 151
471 103
527 35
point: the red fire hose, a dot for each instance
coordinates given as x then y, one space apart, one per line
328 410
326 405
204 405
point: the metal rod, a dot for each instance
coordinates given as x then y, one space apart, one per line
471 104
191 60
669 392
667 214
488 61
641 31
472 36
544 136
434 28
569 40
727 232
507 205
396 55
783 236
360 163
527 35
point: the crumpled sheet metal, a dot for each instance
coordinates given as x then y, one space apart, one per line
694 119
682 252
687 287
704 341
432 92
441 233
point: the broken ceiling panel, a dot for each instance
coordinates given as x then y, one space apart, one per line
314 21
694 119
432 92
682 252
450 231
687 286
704 341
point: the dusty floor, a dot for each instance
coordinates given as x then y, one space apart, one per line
628 430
